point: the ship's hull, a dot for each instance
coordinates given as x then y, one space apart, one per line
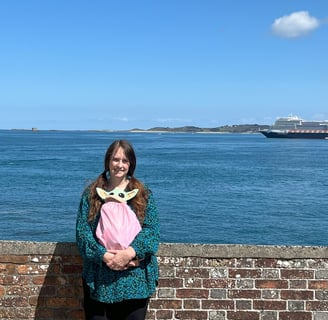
295 134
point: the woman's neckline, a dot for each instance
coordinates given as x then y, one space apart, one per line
121 185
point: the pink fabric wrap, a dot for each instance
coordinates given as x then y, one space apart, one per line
118 225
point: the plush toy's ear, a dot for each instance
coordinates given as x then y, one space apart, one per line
102 193
131 194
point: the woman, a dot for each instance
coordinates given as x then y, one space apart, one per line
118 283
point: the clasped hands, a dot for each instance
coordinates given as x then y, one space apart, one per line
120 260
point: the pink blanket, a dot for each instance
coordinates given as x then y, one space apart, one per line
118 225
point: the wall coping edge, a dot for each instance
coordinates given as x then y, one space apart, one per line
177 250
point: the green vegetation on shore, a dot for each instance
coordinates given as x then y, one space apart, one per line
241 128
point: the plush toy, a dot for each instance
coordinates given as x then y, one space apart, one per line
118 224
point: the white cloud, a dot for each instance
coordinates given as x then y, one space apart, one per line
295 25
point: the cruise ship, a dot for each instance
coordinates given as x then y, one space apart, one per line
293 127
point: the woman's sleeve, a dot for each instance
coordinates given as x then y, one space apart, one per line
88 246
147 240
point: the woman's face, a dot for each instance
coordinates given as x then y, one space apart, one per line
119 164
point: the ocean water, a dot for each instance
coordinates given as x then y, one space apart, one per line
209 188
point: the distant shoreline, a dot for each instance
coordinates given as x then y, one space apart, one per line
158 131
243 128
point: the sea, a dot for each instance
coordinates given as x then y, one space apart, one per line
209 188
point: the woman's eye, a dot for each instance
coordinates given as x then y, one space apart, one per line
125 161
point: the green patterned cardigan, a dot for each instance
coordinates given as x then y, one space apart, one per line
111 286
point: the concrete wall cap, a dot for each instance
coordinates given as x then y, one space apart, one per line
177 250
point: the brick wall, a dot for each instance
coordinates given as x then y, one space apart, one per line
42 281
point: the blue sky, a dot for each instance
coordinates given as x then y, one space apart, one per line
116 65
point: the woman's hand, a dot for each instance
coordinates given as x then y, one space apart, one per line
108 257
120 259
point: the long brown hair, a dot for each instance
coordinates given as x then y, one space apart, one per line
139 202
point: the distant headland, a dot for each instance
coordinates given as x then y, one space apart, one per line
238 128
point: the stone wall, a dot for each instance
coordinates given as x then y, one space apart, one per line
234 282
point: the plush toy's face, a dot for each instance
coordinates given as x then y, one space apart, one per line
116 194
